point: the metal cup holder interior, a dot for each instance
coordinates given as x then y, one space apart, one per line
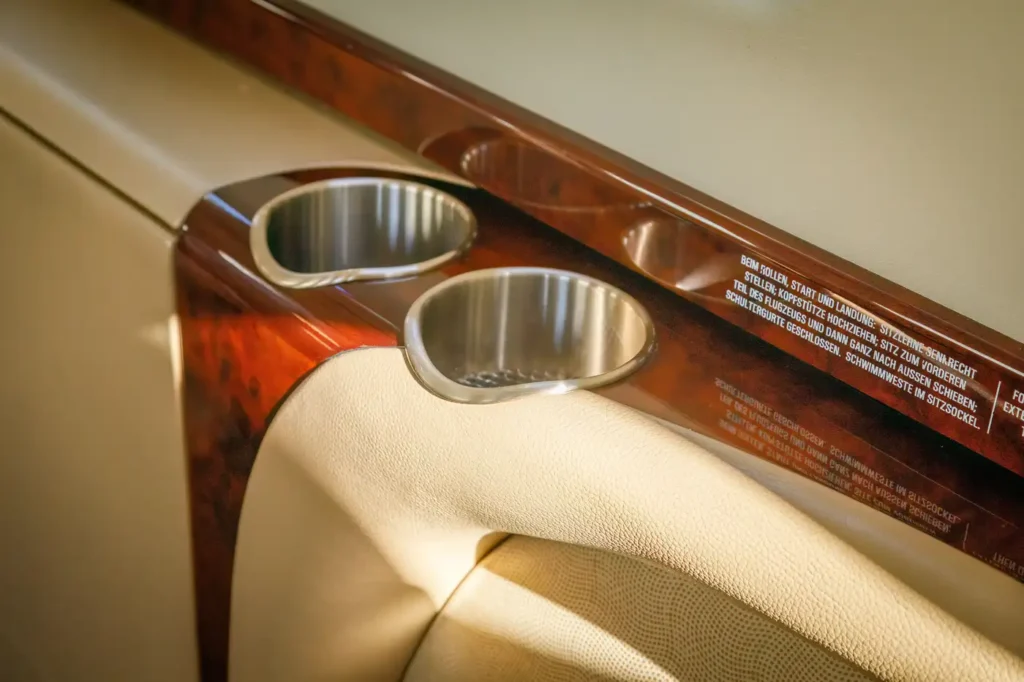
492 335
358 228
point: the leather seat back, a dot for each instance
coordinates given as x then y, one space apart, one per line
632 549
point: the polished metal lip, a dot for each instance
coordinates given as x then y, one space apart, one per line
272 269
429 375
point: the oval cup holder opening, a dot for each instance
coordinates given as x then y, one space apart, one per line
359 228
493 335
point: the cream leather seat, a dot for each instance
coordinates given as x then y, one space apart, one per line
388 534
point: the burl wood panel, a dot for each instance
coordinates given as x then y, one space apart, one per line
247 343
244 346
931 364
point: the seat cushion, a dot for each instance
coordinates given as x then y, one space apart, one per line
548 611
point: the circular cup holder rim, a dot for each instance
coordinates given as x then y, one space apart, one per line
431 378
278 274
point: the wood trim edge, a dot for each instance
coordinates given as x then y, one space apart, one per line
604 200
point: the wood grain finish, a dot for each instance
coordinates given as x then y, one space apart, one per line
975 393
244 346
247 343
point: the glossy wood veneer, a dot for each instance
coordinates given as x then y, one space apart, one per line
244 346
673 234
247 343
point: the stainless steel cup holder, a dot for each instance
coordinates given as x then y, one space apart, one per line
492 335
359 228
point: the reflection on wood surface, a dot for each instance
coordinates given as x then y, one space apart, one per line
598 197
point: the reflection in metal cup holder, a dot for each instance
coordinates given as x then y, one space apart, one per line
358 228
493 335
531 177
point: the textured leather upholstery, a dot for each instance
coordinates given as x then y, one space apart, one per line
371 501
541 610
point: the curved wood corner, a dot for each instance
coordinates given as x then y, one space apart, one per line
244 346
